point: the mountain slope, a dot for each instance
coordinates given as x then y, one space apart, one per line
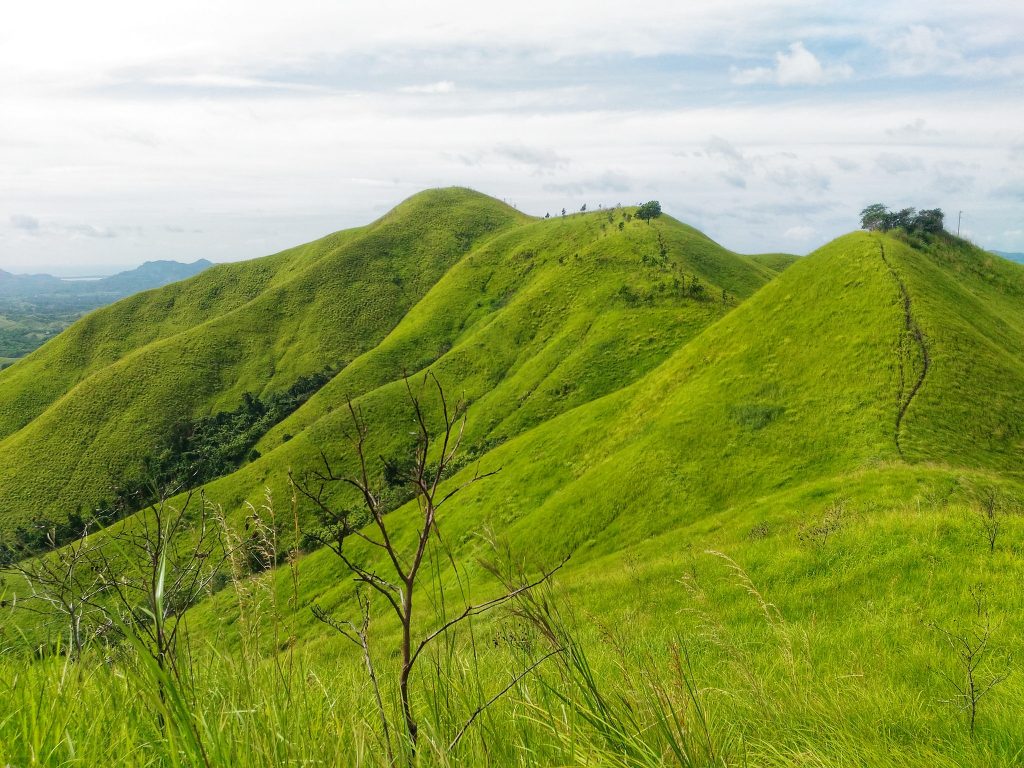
784 407
533 317
772 471
747 497
78 414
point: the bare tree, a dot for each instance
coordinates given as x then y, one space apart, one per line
979 668
360 635
434 460
63 583
831 523
992 511
157 566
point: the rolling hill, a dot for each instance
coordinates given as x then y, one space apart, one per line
774 462
554 313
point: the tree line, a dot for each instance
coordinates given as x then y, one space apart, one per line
195 451
878 218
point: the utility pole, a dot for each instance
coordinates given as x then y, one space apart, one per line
959 215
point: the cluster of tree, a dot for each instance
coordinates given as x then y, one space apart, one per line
40 536
195 452
680 287
879 218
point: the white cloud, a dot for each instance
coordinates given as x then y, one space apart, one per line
225 82
252 130
797 67
799 233
29 224
441 86
914 130
927 50
894 163
922 49
607 182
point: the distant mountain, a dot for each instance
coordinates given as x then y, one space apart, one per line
1011 256
152 274
35 308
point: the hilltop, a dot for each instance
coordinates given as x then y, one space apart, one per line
775 463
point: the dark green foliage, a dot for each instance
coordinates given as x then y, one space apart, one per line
878 218
696 289
874 217
929 220
199 450
38 537
195 452
755 416
649 210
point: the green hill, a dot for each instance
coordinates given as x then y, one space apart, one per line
533 318
116 382
772 462
802 435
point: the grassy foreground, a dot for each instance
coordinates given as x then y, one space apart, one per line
817 653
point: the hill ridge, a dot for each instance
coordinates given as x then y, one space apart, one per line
914 330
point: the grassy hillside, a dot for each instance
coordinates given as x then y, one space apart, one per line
774 464
531 318
79 413
771 437
802 383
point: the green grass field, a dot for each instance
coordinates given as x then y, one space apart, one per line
771 487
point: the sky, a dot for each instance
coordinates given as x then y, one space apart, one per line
132 131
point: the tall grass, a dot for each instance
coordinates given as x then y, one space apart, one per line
245 710
606 694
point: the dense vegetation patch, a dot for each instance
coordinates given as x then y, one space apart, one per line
196 451
878 218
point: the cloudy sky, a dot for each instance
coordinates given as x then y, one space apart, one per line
137 130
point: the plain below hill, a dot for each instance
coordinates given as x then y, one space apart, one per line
35 308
